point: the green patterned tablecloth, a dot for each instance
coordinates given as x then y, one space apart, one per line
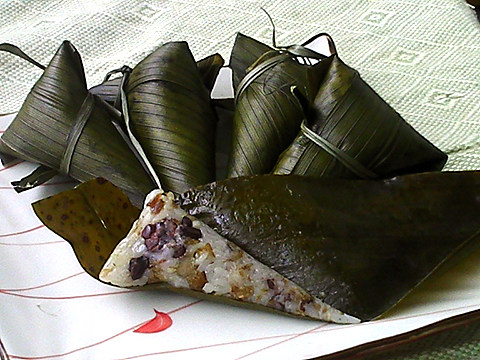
422 57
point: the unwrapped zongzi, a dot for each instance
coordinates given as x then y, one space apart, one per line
168 247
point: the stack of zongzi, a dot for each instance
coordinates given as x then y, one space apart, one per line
340 250
168 125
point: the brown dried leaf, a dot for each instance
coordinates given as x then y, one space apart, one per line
93 217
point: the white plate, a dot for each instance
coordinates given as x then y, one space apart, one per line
52 309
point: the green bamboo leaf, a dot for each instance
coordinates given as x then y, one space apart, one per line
268 115
60 117
360 245
351 132
93 217
172 117
109 91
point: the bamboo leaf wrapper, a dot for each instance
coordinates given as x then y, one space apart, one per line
360 245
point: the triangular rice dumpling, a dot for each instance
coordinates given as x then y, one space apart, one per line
63 126
267 115
172 118
167 247
358 245
350 132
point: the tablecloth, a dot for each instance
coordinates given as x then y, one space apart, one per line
422 57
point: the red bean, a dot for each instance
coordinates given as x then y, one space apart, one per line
186 221
137 267
178 251
191 232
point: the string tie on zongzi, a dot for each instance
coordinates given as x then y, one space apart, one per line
301 51
349 162
298 53
75 131
125 71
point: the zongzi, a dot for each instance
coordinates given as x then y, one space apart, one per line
351 132
166 246
63 126
267 115
171 116
358 245
109 89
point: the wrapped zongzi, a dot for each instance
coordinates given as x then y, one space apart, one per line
63 126
350 132
171 116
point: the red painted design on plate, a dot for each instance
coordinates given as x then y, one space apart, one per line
44 357
43 285
69 297
160 322
35 243
22 232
